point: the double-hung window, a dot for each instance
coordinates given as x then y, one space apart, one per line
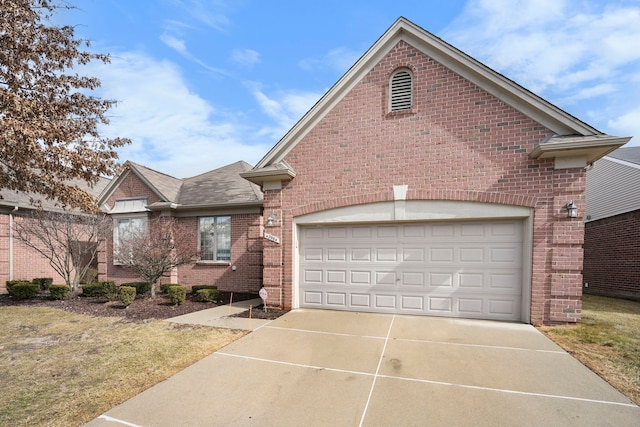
215 238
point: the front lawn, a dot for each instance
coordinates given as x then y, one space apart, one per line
63 369
607 340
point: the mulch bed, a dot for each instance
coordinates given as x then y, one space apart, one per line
141 309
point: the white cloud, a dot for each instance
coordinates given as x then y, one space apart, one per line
628 125
285 108
173 129
176 44
245 57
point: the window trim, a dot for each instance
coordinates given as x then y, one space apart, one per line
215 252
116 231
393 89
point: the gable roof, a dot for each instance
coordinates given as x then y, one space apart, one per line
220 187
552 117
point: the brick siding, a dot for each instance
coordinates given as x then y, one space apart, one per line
457 143
27 263
612 256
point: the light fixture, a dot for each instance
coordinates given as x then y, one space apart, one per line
271 220
572 210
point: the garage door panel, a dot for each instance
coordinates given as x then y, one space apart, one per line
361 278
387 255
360 255
468 269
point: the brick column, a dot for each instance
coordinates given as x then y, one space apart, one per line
272 252
567 252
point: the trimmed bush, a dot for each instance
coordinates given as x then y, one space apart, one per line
142 288
92 290
177 294
164 288
127 294
106 289
24 290
207 295
43 282
196 288
11 283
58 291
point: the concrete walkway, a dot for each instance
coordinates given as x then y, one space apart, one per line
331 368
218 316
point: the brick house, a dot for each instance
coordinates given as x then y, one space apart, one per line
423 182
223 211
18 261
612 226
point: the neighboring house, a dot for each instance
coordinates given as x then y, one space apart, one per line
223 211
17 261
612 228
423 182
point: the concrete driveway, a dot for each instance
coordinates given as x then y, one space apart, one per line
333 368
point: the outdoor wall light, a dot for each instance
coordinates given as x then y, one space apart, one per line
572 210
271 220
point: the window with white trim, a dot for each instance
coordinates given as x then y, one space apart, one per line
123 228
401 90
215 238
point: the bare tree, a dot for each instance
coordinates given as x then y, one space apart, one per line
48 119
154 250
68 240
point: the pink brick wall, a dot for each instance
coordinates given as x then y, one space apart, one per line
457 143
246 250
27 263
612 256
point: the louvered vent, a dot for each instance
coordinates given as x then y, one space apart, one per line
401 91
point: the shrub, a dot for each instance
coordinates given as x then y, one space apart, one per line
92 290
58 291
107 289
127 295
142 288
12 283
43 282
196 288
207 295
24 290
89 276
164 288
177 294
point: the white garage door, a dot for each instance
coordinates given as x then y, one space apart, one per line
462 269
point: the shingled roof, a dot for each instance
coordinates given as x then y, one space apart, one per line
217 188
11 199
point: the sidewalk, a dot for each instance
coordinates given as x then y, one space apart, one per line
218 316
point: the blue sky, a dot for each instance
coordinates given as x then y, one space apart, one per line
204 83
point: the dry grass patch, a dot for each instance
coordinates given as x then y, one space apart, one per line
63 369
607 340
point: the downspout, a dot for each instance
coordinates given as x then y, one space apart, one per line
15 208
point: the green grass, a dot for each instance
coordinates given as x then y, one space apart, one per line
607 340
63 369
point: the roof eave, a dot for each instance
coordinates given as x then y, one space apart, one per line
260 176
178 207
592 147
